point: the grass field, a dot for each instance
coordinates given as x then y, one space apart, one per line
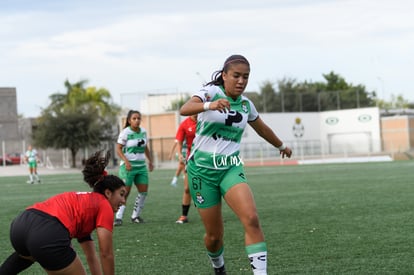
318 219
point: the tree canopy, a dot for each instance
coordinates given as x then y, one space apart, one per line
80 118
292 96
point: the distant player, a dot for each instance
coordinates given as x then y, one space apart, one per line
132 147
181 162
32 159
185 135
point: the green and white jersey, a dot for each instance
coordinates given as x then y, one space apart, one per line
218 135
134 145
31 156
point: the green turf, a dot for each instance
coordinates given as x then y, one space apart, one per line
318 219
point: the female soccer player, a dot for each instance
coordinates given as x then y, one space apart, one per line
185 134
43 232
133 150
31 158
214 167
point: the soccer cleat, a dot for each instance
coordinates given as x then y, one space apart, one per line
29 182
137 220
118 222
220 271
182 219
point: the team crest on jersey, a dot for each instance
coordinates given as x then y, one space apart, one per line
200 198
207 96
140 142
244 107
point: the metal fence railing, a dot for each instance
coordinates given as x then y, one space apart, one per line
254 151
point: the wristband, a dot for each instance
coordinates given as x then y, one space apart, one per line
206 106
281 147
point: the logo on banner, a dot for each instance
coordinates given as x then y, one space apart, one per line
364 118
332 120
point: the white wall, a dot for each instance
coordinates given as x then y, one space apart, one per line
155 104
333 132
285 126
354 130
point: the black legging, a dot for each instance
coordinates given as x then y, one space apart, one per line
14 264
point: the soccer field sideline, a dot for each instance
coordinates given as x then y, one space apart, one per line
21 170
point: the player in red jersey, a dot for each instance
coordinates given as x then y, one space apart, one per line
186 132
43 232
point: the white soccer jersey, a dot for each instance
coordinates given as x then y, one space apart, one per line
218 134
134 145
31 156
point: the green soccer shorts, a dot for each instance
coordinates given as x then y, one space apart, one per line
208 186
137 175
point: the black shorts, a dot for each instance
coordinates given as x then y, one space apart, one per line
37 234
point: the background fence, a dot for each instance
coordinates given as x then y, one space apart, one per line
253 152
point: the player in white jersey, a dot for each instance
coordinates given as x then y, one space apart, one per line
132 148
32 159
215 169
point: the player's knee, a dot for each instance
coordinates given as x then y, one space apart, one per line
251 220
213 241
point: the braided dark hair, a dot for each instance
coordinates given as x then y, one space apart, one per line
217 78
95 176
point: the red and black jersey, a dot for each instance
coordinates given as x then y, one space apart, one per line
187 131
79 212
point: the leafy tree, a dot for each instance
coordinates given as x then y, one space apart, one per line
80 118
309 96
256 98
290 95
298 97
269 98
347 96
333 94
396 102
293 96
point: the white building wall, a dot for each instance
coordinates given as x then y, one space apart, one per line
352 131
285 126
155 104
331 132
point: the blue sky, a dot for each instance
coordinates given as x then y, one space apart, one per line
134 46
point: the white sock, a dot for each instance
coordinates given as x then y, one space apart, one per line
258 262
138 205
120 212
216 259
31 177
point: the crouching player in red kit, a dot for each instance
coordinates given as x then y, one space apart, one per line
43 232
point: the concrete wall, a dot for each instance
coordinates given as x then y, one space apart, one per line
8 114
397 133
